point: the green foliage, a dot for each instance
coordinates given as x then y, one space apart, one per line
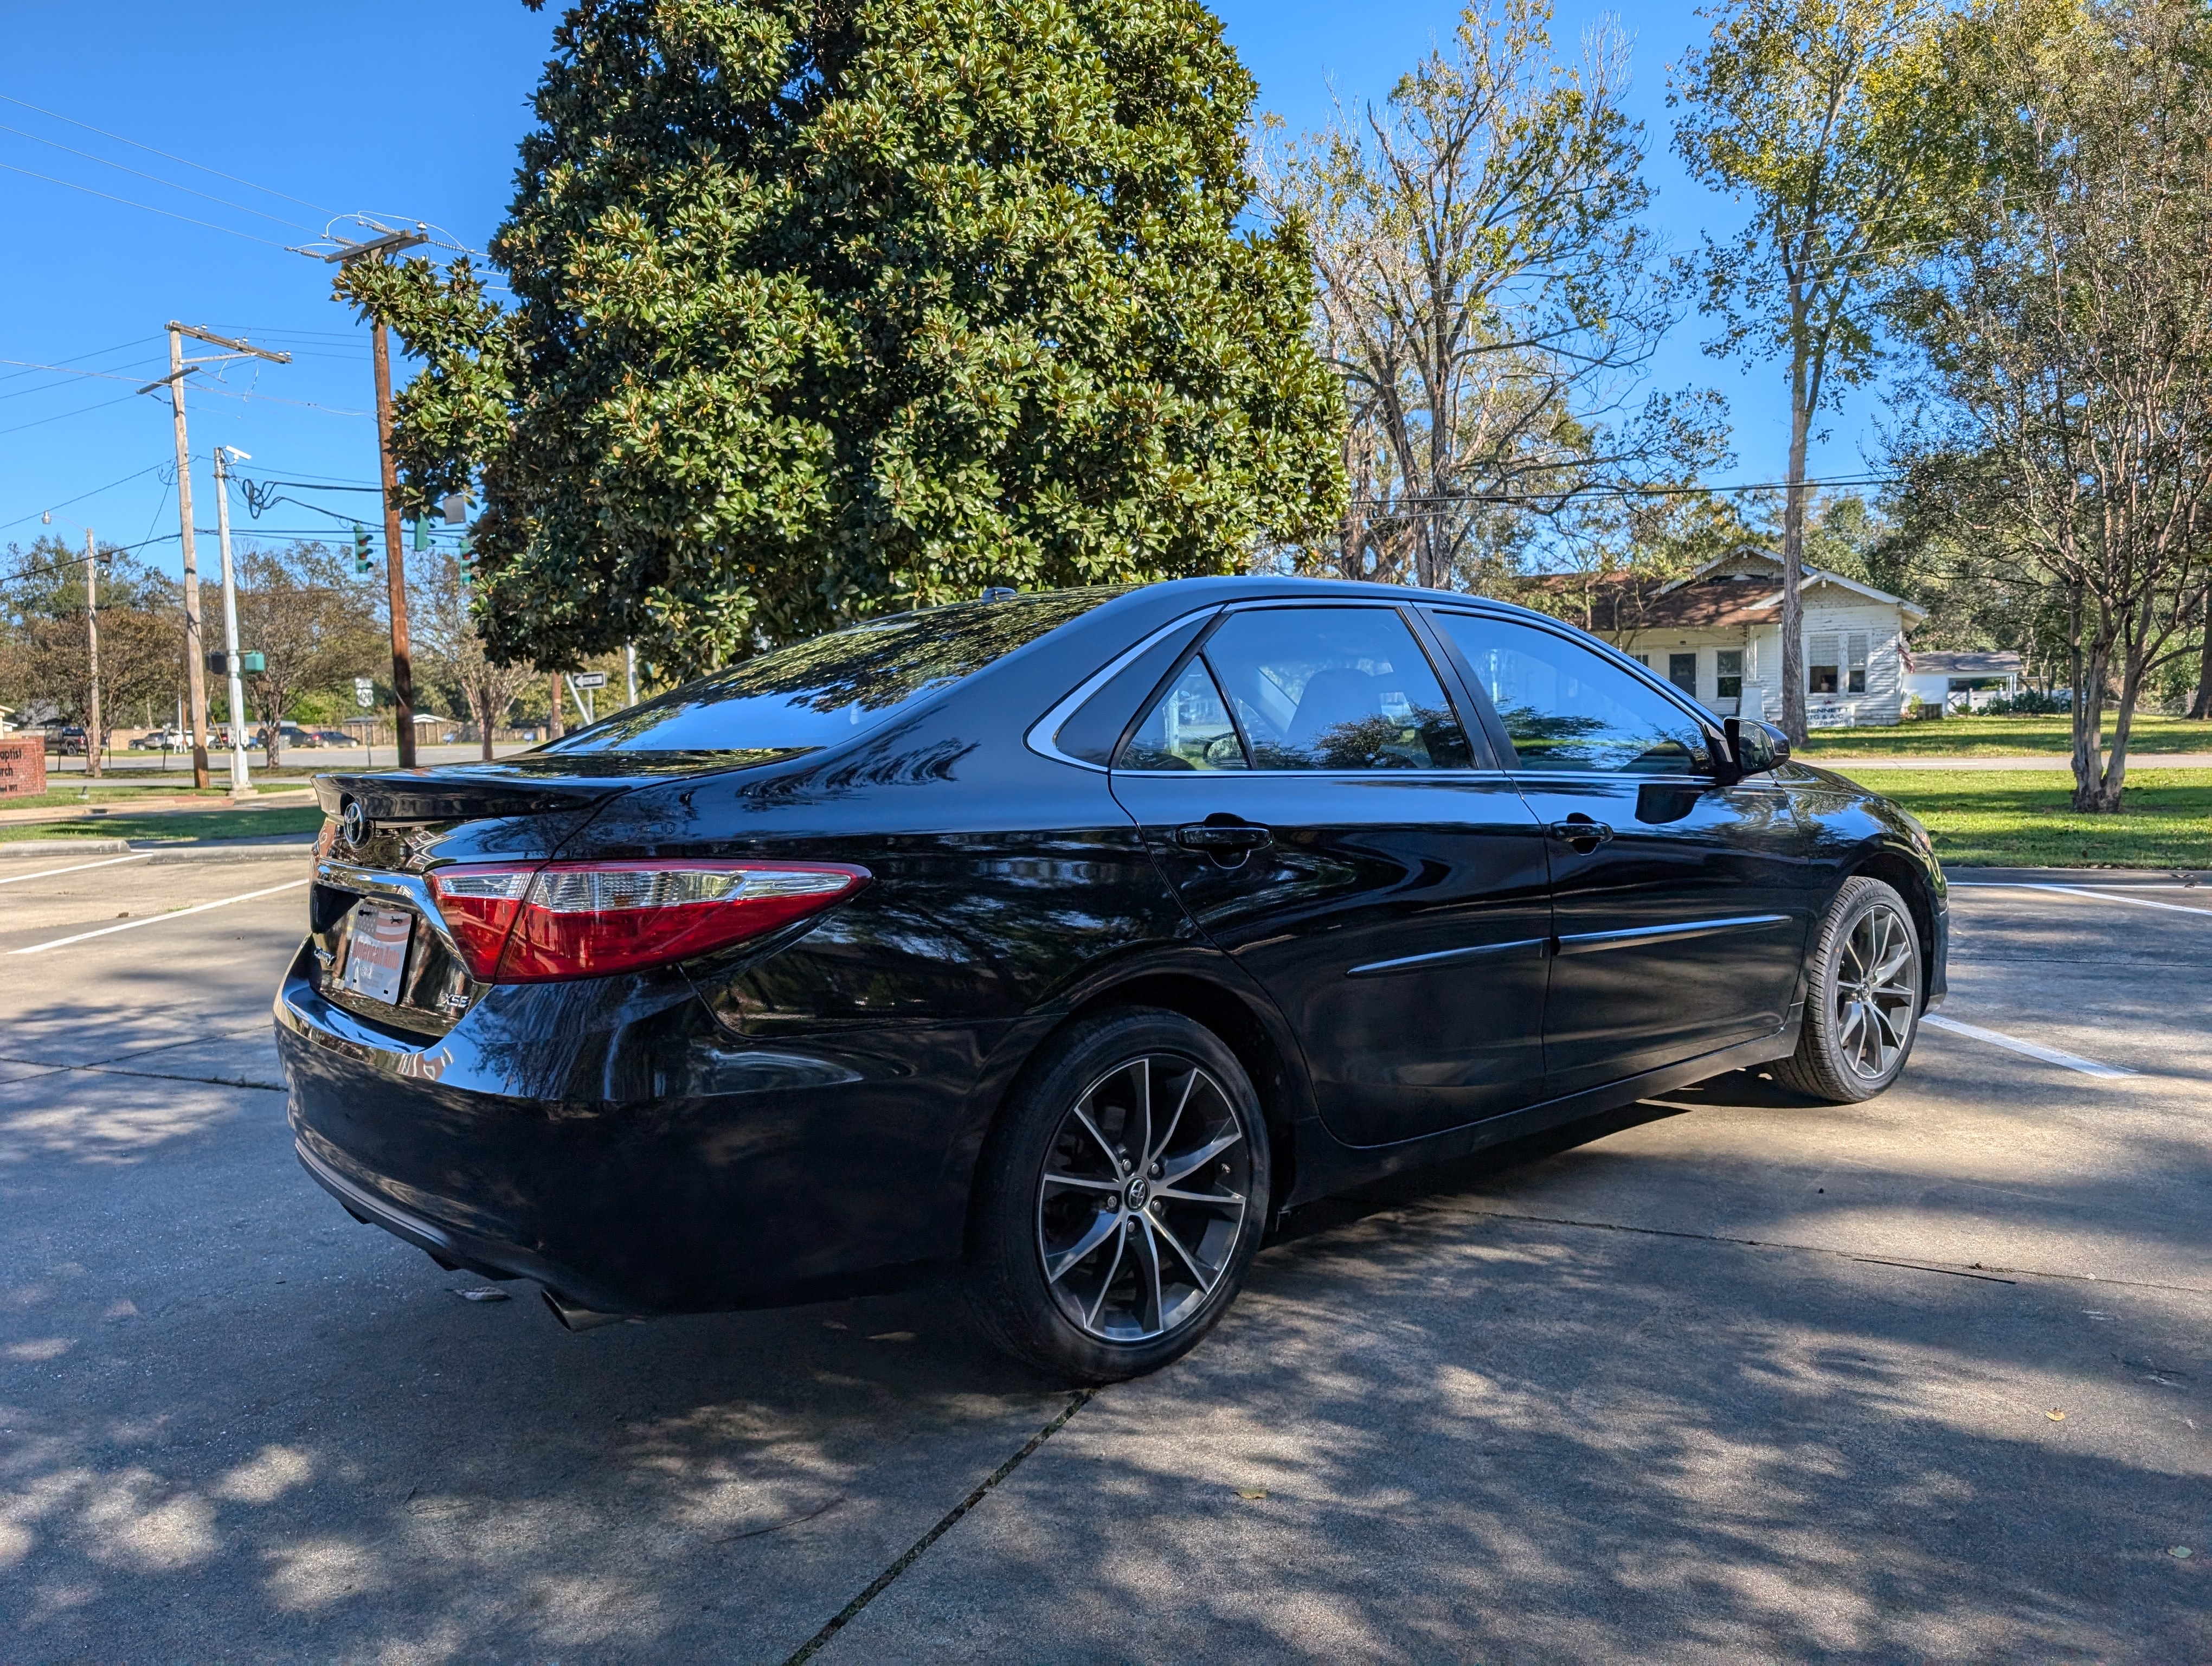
825 311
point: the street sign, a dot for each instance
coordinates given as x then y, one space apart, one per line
364 692
590 679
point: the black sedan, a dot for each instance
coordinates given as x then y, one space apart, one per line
1069 940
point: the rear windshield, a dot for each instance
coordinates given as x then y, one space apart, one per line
820 692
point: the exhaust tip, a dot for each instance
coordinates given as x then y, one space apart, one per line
580 1318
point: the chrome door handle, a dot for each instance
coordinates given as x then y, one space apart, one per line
1583 834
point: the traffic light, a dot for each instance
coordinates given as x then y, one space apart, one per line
468 560
421 533
362 567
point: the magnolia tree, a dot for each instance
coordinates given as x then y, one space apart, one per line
827 311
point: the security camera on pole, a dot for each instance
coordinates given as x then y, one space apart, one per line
241 782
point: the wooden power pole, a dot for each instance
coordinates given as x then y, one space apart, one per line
92 729
395 554
195 657
195 661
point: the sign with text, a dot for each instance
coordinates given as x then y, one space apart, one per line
590 679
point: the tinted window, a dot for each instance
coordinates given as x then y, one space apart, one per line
1565 707
1093 730
820 692
1335 687
1188 728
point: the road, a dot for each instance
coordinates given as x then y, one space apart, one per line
1732 1378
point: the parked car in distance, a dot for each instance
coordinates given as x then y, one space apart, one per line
1068 940
333 738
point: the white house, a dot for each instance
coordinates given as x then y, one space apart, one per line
1961 682
1716 634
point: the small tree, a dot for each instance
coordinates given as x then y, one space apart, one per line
2070 329
313 627
827 311
1836 119
43 644
454 652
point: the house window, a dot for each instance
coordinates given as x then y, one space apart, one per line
1729 683
1682 673
1643 659
1855 664
1820 664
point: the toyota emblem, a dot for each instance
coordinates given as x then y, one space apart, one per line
356 821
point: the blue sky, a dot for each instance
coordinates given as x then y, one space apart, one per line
412 110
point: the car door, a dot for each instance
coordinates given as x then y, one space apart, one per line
1313 797
1680 905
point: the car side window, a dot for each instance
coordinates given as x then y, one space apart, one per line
1188 728
1567 709
1336 688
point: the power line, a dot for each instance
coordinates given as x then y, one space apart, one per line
80 497
169 214
75 358
61 416
166 155
156 178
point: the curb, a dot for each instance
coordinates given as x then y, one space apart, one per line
160 853
2132 877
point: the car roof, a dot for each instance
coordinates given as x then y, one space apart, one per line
1205 592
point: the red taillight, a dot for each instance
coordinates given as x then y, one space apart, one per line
532 924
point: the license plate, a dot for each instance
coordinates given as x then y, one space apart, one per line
376 953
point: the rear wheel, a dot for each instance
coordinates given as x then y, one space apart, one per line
1120 1199
1863 997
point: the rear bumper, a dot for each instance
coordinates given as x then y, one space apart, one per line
815 1169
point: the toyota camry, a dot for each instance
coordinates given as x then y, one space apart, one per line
1065 942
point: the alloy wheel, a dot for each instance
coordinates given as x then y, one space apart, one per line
1143 1199
1876 992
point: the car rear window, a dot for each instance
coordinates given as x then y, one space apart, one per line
818 693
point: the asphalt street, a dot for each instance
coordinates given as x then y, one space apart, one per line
1730 1377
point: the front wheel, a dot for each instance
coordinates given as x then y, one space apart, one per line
1120 1199
1862 999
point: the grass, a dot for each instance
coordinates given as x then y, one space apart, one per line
69 797
2025 819
176 828
2001 737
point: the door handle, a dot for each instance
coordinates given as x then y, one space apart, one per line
1212 837
1583 834
1225 841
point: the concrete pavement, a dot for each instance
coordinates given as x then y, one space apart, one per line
1734 1377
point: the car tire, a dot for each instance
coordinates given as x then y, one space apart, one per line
1863 994
1105 1241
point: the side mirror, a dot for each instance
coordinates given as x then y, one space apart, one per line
1755 747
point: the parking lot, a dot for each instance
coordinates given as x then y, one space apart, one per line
1732 1378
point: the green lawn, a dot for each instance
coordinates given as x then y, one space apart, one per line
65 798
2022 818
2001 737
179 826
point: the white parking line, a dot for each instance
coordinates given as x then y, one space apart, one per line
75 868
2101 895
156 919
2110 1073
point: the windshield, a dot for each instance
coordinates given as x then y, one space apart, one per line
818 693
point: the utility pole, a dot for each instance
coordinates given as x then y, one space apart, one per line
241 782
194 660
629 671
395 556
92 730
195 667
